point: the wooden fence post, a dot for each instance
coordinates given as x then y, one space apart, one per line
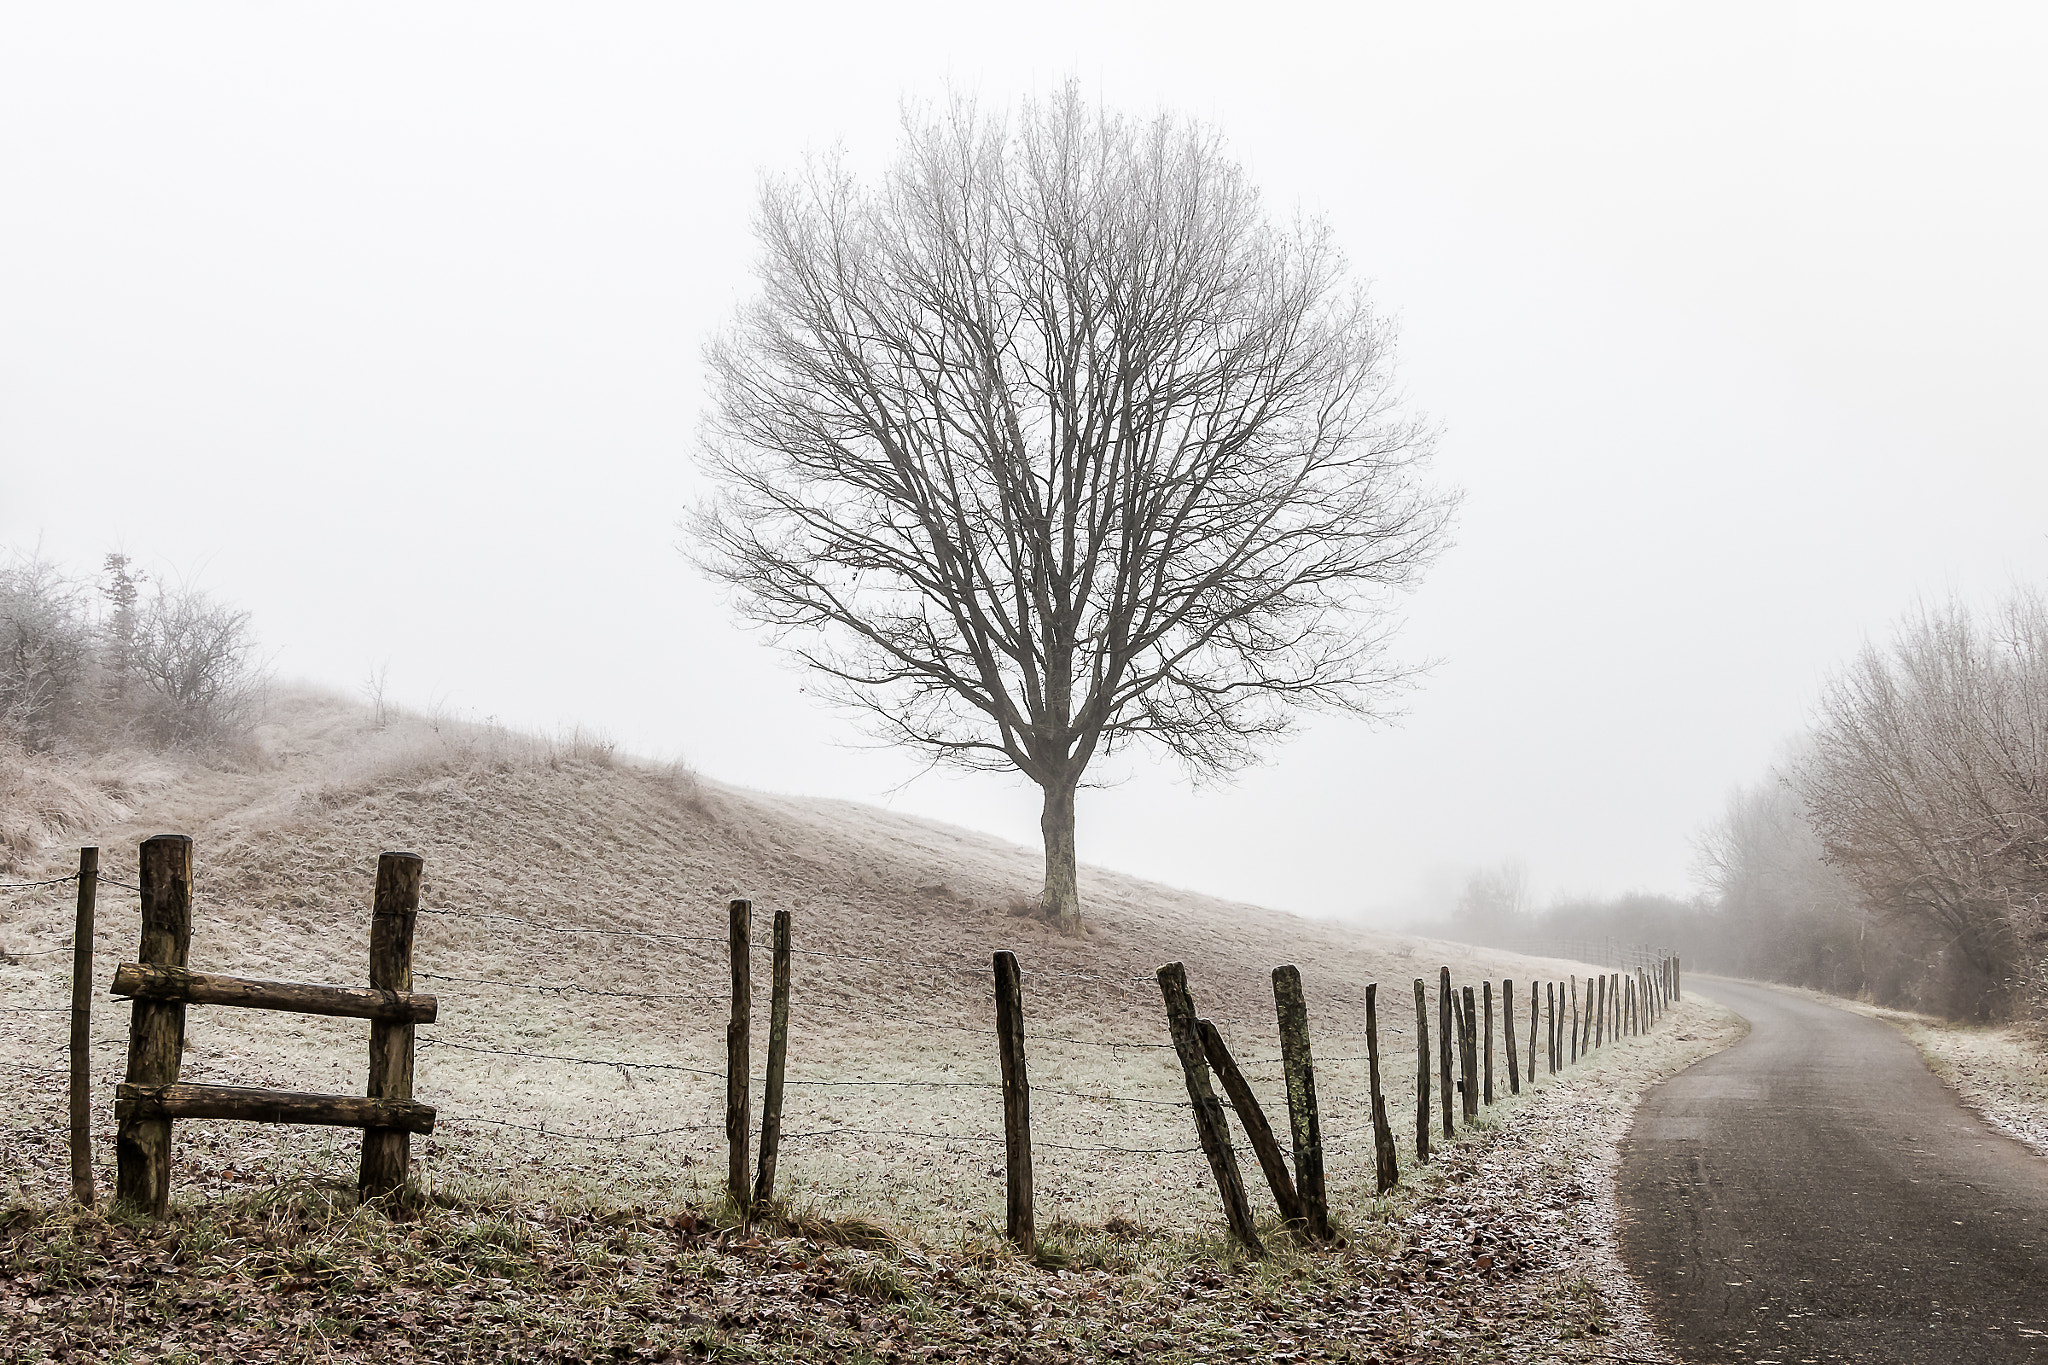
1250 1113
778 1057
81 1027
156 1032
1486 989
1446 1043
1386 1165
1550 1027
738 1062
1468 1053
1535 1017
387 1152
1575 1017
1210 1125
1507 1033
1599 989
1022 1223
1677 978
1421 1071
1303 1119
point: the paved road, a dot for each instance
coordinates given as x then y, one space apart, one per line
1814 1193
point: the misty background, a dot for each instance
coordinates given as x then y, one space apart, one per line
384 323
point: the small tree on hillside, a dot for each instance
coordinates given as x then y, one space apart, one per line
1050 442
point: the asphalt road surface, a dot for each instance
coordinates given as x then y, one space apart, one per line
1814 1193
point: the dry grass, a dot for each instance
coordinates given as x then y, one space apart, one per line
567 833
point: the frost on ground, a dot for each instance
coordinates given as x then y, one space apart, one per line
2001 1072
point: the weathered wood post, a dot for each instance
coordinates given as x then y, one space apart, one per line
1303 1119
1022 1224
81 1027
1386 1164
156 1032
1599 987
1421 1071
1252 1115
387 1152
1468 1053
1487 990
778 1058
1550 1026
1677 978
1446 1043
738 1062
1210 1125
1575 1016
1507 1033
1535 1017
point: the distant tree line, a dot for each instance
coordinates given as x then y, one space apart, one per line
1900 851
120 659
1897 852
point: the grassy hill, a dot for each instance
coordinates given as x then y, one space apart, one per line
531 843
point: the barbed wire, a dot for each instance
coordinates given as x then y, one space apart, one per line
577 1061
571 988
568 1135
576 929
125 886
48 881
40 952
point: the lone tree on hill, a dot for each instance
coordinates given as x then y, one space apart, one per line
1050 442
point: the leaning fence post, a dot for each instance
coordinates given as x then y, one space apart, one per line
1421 1070
1257 1130
387 1152
1303 1119
1446 1023
1386 1165
1022 1222
1209 1122
739 940
778 1056
1507 1033
81 1027
156 1032
1486 988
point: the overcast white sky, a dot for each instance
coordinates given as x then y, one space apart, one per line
384 321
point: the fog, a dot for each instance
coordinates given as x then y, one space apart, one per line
385 323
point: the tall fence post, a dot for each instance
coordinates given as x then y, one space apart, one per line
387 1152
1022 1222
738 1063
1252 1115
778 1058
1386 1165
1303 1119
1446 1044
156 1031
1599 989
1507 1033
1486 989
81 1027
1210 1126
1677 978
1421 1070
1550 1027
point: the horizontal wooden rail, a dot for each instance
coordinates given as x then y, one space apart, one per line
149 981
181 1101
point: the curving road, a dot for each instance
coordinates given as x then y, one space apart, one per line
1814 1193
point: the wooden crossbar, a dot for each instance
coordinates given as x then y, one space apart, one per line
183 1101
151 981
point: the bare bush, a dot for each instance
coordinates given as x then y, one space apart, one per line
194 662
46 653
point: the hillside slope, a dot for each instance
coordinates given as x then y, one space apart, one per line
575 937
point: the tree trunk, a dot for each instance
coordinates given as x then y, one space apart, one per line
1061 900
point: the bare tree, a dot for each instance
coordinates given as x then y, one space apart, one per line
1050 442
1927 783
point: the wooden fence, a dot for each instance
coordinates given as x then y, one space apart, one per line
1615 1006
